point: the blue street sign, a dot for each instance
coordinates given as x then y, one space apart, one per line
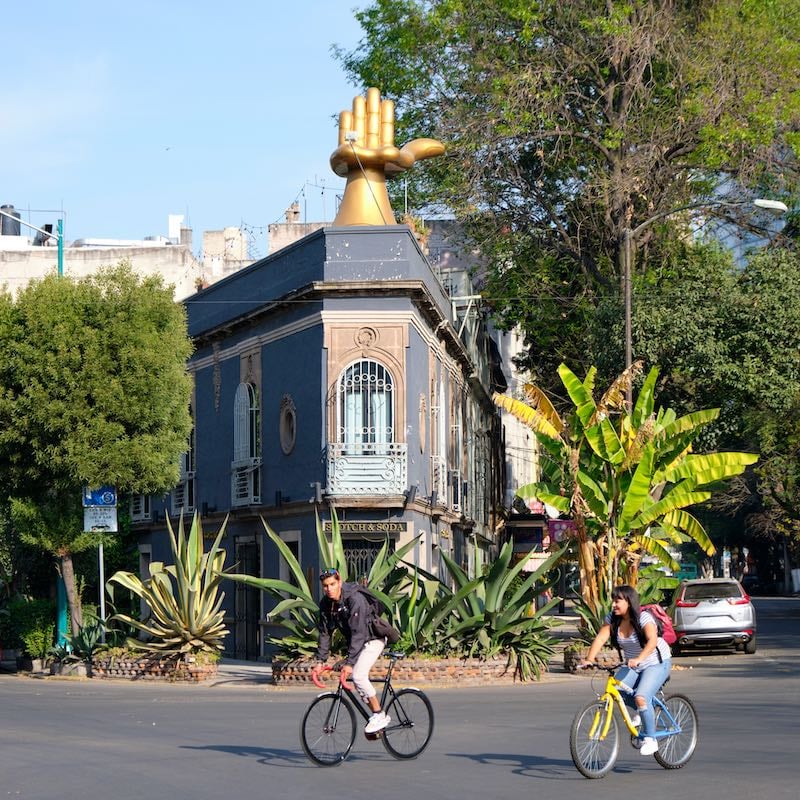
104 496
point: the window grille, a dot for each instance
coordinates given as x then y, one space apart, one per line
183 494
365 407
246 464
140 508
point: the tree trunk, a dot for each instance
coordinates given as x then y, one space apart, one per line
73 602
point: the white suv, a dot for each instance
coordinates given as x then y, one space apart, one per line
713 613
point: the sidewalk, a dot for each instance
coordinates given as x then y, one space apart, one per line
565 632
231 672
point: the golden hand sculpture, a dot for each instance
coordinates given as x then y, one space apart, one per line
367 155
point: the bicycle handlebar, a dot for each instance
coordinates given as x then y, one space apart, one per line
315 675
327 668
601 666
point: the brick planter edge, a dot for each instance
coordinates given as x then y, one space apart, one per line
456 671
152 670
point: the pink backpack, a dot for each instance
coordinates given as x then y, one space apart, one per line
663 622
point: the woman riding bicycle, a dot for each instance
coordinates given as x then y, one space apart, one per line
646 656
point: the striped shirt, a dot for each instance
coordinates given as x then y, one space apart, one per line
630 644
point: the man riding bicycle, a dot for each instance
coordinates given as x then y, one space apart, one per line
346 608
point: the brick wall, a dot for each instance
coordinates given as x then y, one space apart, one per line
151 669
452 671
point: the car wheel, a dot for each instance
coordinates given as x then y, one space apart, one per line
750 646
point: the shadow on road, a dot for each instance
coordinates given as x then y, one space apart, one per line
531 766
272 756
278 757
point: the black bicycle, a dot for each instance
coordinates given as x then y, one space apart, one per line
328 730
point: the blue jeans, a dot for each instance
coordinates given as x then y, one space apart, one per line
644 684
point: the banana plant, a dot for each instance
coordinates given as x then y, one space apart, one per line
625 476
184 598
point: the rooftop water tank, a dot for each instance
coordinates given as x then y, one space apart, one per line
9 221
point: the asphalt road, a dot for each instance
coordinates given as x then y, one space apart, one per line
87 739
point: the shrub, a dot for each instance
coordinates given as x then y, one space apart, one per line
38 640
27 623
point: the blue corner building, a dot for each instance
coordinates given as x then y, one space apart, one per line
337 373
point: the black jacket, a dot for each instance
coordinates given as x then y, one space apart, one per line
351 615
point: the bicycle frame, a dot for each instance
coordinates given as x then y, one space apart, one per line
346 687
612 696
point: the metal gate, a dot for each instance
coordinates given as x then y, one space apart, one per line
248 604
360 555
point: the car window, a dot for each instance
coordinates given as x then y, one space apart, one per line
709 591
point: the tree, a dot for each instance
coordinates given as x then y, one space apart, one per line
567 124
94 391
625 478
728 335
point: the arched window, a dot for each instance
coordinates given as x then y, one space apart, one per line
183 494
246 479
365 408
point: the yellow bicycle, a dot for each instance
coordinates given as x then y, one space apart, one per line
595 733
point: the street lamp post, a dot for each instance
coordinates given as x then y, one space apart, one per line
59 237
629 236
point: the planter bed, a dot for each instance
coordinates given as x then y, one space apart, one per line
408 671
151 669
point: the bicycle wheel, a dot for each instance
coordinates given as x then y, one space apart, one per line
411 728
674 751
593 756
328 730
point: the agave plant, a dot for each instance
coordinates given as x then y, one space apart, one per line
625 477
82 645
296 610
494 613
184 598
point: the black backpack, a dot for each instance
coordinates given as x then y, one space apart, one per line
381 627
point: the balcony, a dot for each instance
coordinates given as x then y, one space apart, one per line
367 469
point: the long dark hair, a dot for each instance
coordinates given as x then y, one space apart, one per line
630 594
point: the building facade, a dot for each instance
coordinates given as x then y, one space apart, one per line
336 373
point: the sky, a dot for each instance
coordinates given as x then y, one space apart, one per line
115 115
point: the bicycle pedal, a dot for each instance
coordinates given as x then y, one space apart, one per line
373 736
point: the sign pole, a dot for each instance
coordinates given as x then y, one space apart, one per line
100 515
102 592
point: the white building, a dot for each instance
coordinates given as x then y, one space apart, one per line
28 253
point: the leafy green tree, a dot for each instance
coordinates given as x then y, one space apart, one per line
568 124
728 335
624 477
93 391
725 334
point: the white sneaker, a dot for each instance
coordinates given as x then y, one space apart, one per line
377 722
636 720
649 746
